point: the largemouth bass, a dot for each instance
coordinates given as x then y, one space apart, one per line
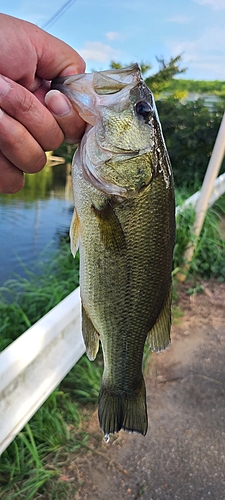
124 226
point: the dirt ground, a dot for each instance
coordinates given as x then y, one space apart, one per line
183 454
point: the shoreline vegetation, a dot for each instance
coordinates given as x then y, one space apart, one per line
33 466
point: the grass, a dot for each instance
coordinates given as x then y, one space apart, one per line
209 257
33 465
33 462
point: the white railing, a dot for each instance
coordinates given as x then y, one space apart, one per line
33 365
218 190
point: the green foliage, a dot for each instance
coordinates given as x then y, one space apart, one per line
190 131
66 151
196 86
29 466
184 235
160 80
84 379
209 257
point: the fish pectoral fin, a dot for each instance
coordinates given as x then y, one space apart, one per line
90 336
159 336
111 231
74 233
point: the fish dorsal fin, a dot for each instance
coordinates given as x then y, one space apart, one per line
74 233
159 336
90 336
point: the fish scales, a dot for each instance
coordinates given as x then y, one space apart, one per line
124 226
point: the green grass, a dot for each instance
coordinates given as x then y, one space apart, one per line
209 256
32 462
33 465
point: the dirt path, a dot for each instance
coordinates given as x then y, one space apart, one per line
183 454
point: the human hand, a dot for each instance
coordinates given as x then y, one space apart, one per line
31 120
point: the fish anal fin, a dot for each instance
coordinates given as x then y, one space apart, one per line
159 336
111 231
74 233
90 336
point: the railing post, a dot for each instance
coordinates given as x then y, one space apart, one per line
205 193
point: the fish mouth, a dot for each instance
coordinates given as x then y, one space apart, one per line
88 91
111 80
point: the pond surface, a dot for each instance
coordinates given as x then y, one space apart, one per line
32 221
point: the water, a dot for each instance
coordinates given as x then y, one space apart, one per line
32 221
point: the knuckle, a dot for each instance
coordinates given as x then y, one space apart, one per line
18 138
25 104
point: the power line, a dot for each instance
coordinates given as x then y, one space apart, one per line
58 14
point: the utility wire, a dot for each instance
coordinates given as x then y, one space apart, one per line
58 14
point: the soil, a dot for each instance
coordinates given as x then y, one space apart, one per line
183 454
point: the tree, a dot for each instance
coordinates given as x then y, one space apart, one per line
160 80
190 131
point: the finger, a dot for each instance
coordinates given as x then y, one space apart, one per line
24 107
66 115
42 91
18 145
55 57
29 54
11 178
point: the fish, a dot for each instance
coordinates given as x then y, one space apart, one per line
124 227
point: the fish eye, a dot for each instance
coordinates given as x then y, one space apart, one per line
144 109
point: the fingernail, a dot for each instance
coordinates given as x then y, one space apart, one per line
57 103
4 86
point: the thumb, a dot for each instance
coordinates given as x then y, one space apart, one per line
65 114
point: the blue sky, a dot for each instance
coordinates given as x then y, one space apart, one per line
137 31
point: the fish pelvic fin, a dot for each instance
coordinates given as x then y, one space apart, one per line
74 233
122 410
90 336
159 336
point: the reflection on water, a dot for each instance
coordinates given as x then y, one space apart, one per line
32 220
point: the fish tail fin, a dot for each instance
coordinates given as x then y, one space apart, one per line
122 410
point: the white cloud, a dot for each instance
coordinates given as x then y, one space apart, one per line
204 54
99 52
113 35
215 4
179 19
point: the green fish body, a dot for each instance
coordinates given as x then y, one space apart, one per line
124 226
